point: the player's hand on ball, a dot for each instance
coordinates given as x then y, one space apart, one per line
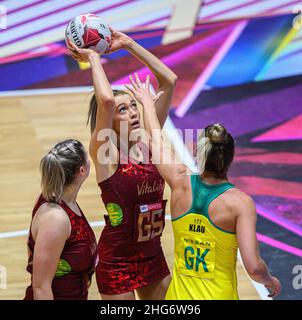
80 54
119 40
141 91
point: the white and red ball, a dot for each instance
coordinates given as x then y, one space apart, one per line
89 31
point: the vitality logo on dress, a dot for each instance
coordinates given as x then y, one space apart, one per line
146 188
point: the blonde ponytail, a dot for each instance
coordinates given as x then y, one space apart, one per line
53 178
59 167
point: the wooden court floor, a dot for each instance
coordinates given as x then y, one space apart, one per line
29 126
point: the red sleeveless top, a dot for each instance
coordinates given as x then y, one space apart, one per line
77 261
135 219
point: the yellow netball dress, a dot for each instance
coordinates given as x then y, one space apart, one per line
204 255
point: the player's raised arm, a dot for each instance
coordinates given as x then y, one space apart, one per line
103 94
171 172
165 77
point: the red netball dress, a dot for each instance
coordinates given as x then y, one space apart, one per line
129 250
77 262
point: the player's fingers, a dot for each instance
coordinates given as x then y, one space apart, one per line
82 51
71 51
78 58
147 84
133 82
74 55
158 95
129 88
138 80
108 50
272 293
68 43
72 46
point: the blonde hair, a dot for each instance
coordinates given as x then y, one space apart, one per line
59 167
215 150
93 108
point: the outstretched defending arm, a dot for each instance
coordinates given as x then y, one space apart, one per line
171 172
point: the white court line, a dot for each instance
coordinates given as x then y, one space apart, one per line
50 91
38 92
13 234
21 233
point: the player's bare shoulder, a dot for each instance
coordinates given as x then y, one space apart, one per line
50 207
49 211
239 202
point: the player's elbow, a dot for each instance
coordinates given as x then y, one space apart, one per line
169 82
173 79
255 268
42 289
107 101
40 283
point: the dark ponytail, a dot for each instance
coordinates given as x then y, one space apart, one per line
215 149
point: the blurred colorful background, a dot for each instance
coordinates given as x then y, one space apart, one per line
238 63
